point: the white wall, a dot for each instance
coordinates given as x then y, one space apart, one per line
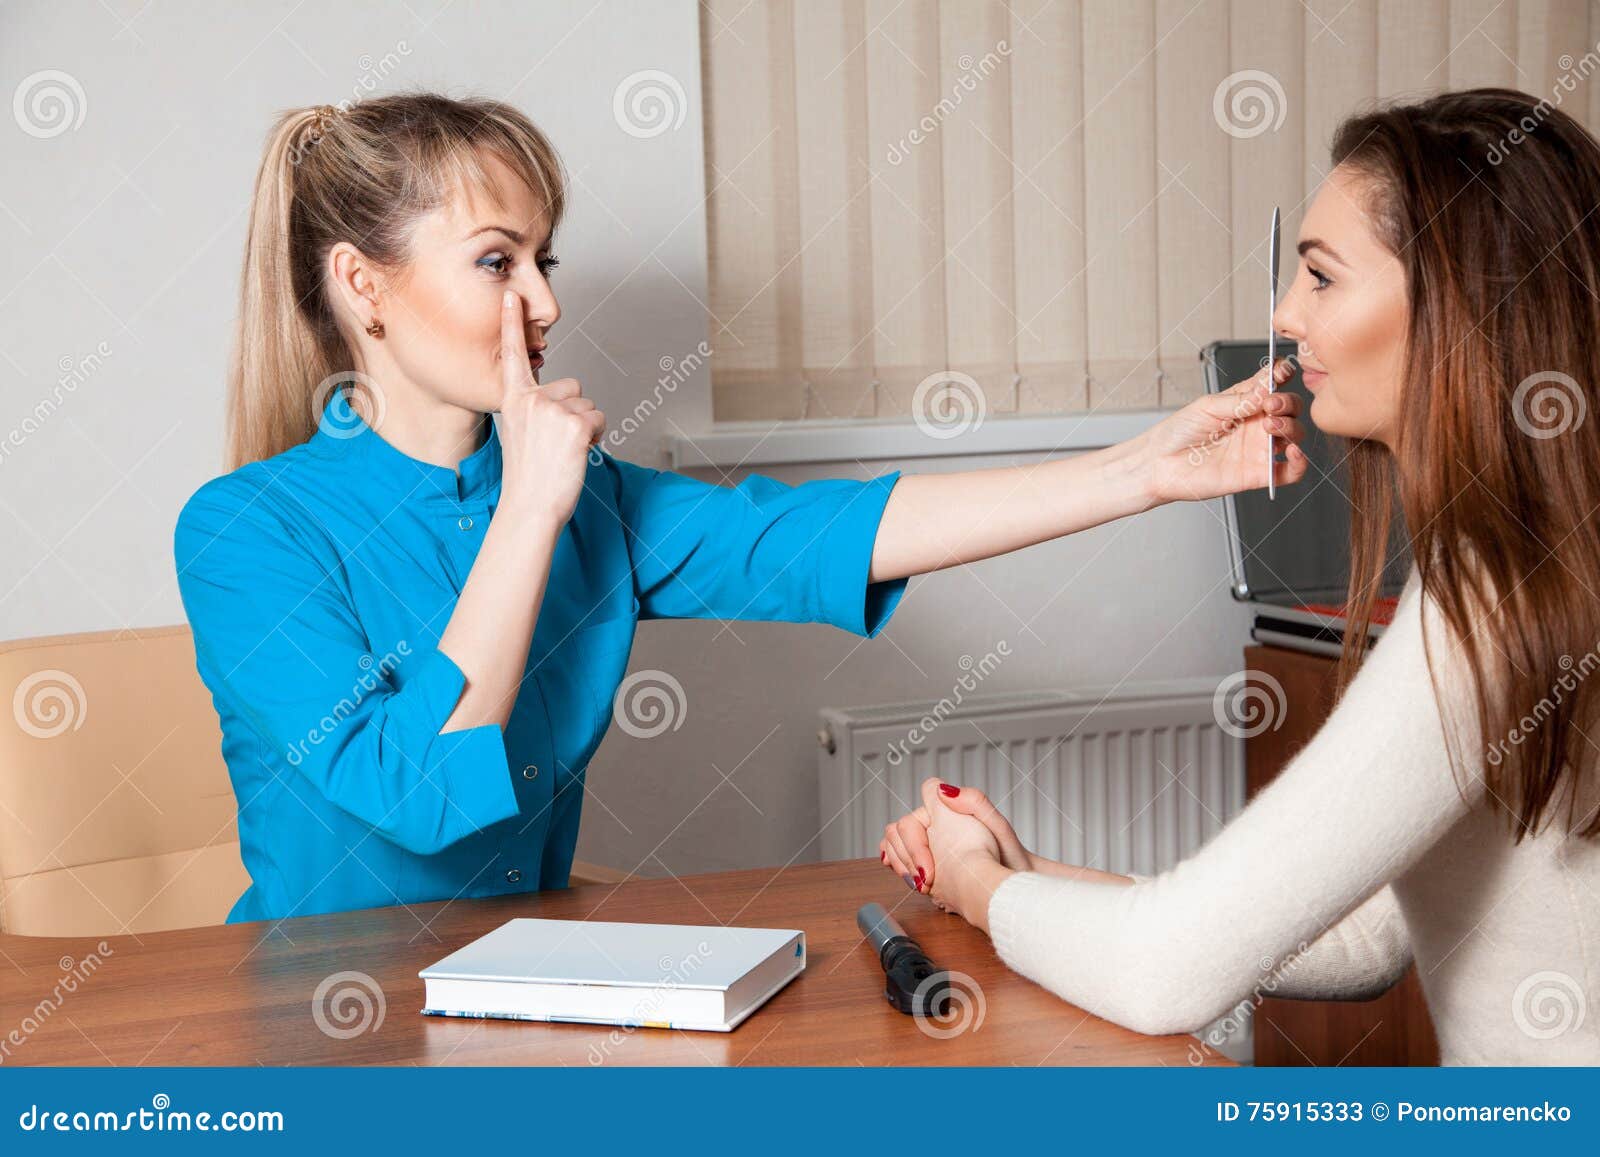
127 230
1141 600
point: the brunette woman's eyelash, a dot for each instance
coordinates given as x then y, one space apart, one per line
1322 281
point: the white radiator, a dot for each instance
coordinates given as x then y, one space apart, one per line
1128 780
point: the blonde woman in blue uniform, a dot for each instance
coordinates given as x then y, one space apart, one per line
413 623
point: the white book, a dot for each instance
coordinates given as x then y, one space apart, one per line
652 975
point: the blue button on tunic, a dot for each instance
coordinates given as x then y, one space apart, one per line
317 583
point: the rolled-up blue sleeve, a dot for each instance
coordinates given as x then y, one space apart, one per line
761 550
280 647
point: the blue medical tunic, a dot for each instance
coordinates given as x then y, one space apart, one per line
317 583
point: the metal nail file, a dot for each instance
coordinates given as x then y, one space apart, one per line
1272 349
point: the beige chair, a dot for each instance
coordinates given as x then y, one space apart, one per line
116 812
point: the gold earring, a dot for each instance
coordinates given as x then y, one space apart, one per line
376 328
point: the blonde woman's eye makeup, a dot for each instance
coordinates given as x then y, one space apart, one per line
499 264
496 263
1323 281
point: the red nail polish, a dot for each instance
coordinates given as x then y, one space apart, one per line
921 875
883 857
949 789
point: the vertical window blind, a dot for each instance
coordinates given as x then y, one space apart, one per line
1054 202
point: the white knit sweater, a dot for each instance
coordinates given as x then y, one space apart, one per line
1365 851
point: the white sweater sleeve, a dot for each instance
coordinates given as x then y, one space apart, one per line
1360 804
1361 957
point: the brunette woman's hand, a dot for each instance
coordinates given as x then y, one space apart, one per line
545 430
1217 444
968 856
905 848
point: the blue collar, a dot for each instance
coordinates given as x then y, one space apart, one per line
342 434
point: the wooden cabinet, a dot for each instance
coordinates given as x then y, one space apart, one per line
1392 1030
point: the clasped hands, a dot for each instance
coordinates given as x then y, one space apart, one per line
956 848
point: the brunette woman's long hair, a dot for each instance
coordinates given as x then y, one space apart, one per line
361 173
1489 199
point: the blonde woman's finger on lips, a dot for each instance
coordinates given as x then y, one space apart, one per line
515 372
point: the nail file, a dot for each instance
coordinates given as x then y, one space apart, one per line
1272 349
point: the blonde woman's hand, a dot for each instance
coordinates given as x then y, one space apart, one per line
1217 444
545 430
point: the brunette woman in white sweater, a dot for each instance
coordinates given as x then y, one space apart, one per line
1447 310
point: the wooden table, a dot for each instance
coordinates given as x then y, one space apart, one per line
242 994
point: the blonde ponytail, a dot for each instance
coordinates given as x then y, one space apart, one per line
275 358
362 174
